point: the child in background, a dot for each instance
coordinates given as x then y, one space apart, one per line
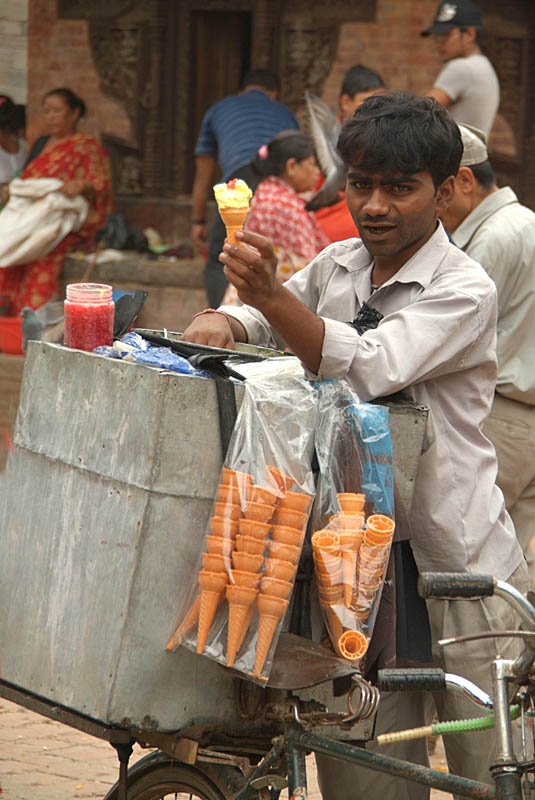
277 211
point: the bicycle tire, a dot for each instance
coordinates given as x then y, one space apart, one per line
179 780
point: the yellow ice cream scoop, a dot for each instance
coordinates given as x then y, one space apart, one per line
233 200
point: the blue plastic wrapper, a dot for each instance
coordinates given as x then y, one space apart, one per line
133 347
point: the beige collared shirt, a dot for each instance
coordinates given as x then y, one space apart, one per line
500 234
436 343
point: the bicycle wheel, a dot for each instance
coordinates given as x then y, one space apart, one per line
177 782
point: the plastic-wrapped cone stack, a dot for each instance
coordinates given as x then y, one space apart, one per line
240 600
187 623
350 502
212 586
270 611
328 567
350 542
352 645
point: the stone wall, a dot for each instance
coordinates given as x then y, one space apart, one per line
13 49
60 55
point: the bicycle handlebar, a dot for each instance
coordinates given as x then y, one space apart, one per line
434 680
455 585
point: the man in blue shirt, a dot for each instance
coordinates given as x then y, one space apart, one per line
232 131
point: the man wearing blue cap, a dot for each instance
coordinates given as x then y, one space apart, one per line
467 85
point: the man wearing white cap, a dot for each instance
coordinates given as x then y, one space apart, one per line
492 227
467 84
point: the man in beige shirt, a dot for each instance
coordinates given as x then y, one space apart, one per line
497 231
435 342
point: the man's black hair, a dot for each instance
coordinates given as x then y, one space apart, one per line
261 77
360 79
484 174
398 132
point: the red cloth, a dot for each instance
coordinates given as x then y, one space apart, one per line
78 157
278 213
336 221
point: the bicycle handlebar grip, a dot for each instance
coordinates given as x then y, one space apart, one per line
455 585
411 680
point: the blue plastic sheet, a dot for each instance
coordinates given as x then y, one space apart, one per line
133 347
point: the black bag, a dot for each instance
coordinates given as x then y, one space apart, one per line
119 234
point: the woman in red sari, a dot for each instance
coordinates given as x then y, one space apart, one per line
81 162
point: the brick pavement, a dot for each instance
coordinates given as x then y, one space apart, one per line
45 760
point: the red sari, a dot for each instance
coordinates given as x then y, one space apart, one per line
78 157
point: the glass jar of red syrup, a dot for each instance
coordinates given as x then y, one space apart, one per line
89 315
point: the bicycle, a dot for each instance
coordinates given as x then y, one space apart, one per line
219 773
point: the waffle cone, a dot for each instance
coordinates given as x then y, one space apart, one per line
276 587
296 500
247 562
326 541
267 625
286 535
280 478
352 645
276 568
234 219
349 567
188 622
380 524
245 626
351 502
334 624
208 605
240 599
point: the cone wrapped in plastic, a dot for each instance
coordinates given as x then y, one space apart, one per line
280 479
247 562
250 527
233 200
263 494
187 623
277 568
240 599
352 645
381 525
286 535
212 586
351 502
296 500
270 610
275 587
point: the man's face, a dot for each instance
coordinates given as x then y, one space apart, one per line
452 44
348 104
395 214
460 204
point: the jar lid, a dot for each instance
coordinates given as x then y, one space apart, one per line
89 292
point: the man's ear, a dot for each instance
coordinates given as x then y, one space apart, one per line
465 180
346 104
444 194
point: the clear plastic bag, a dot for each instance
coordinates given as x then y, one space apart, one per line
353 521
249 555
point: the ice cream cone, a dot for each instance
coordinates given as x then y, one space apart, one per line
331 594
276 587
250 527
233 477
218 544
280 478
334 623
223 526
230 494
291 518
296 500
188 622
276 568
380 524
326 541
373 539
212 585
234 220
263 494
240 598
349 567
326 562
248 544
284 552
249 579
270 610
351 502
352 645
350 540
326 577
345 521
215 562
247 562
245 627
261 512
227 510
281 533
